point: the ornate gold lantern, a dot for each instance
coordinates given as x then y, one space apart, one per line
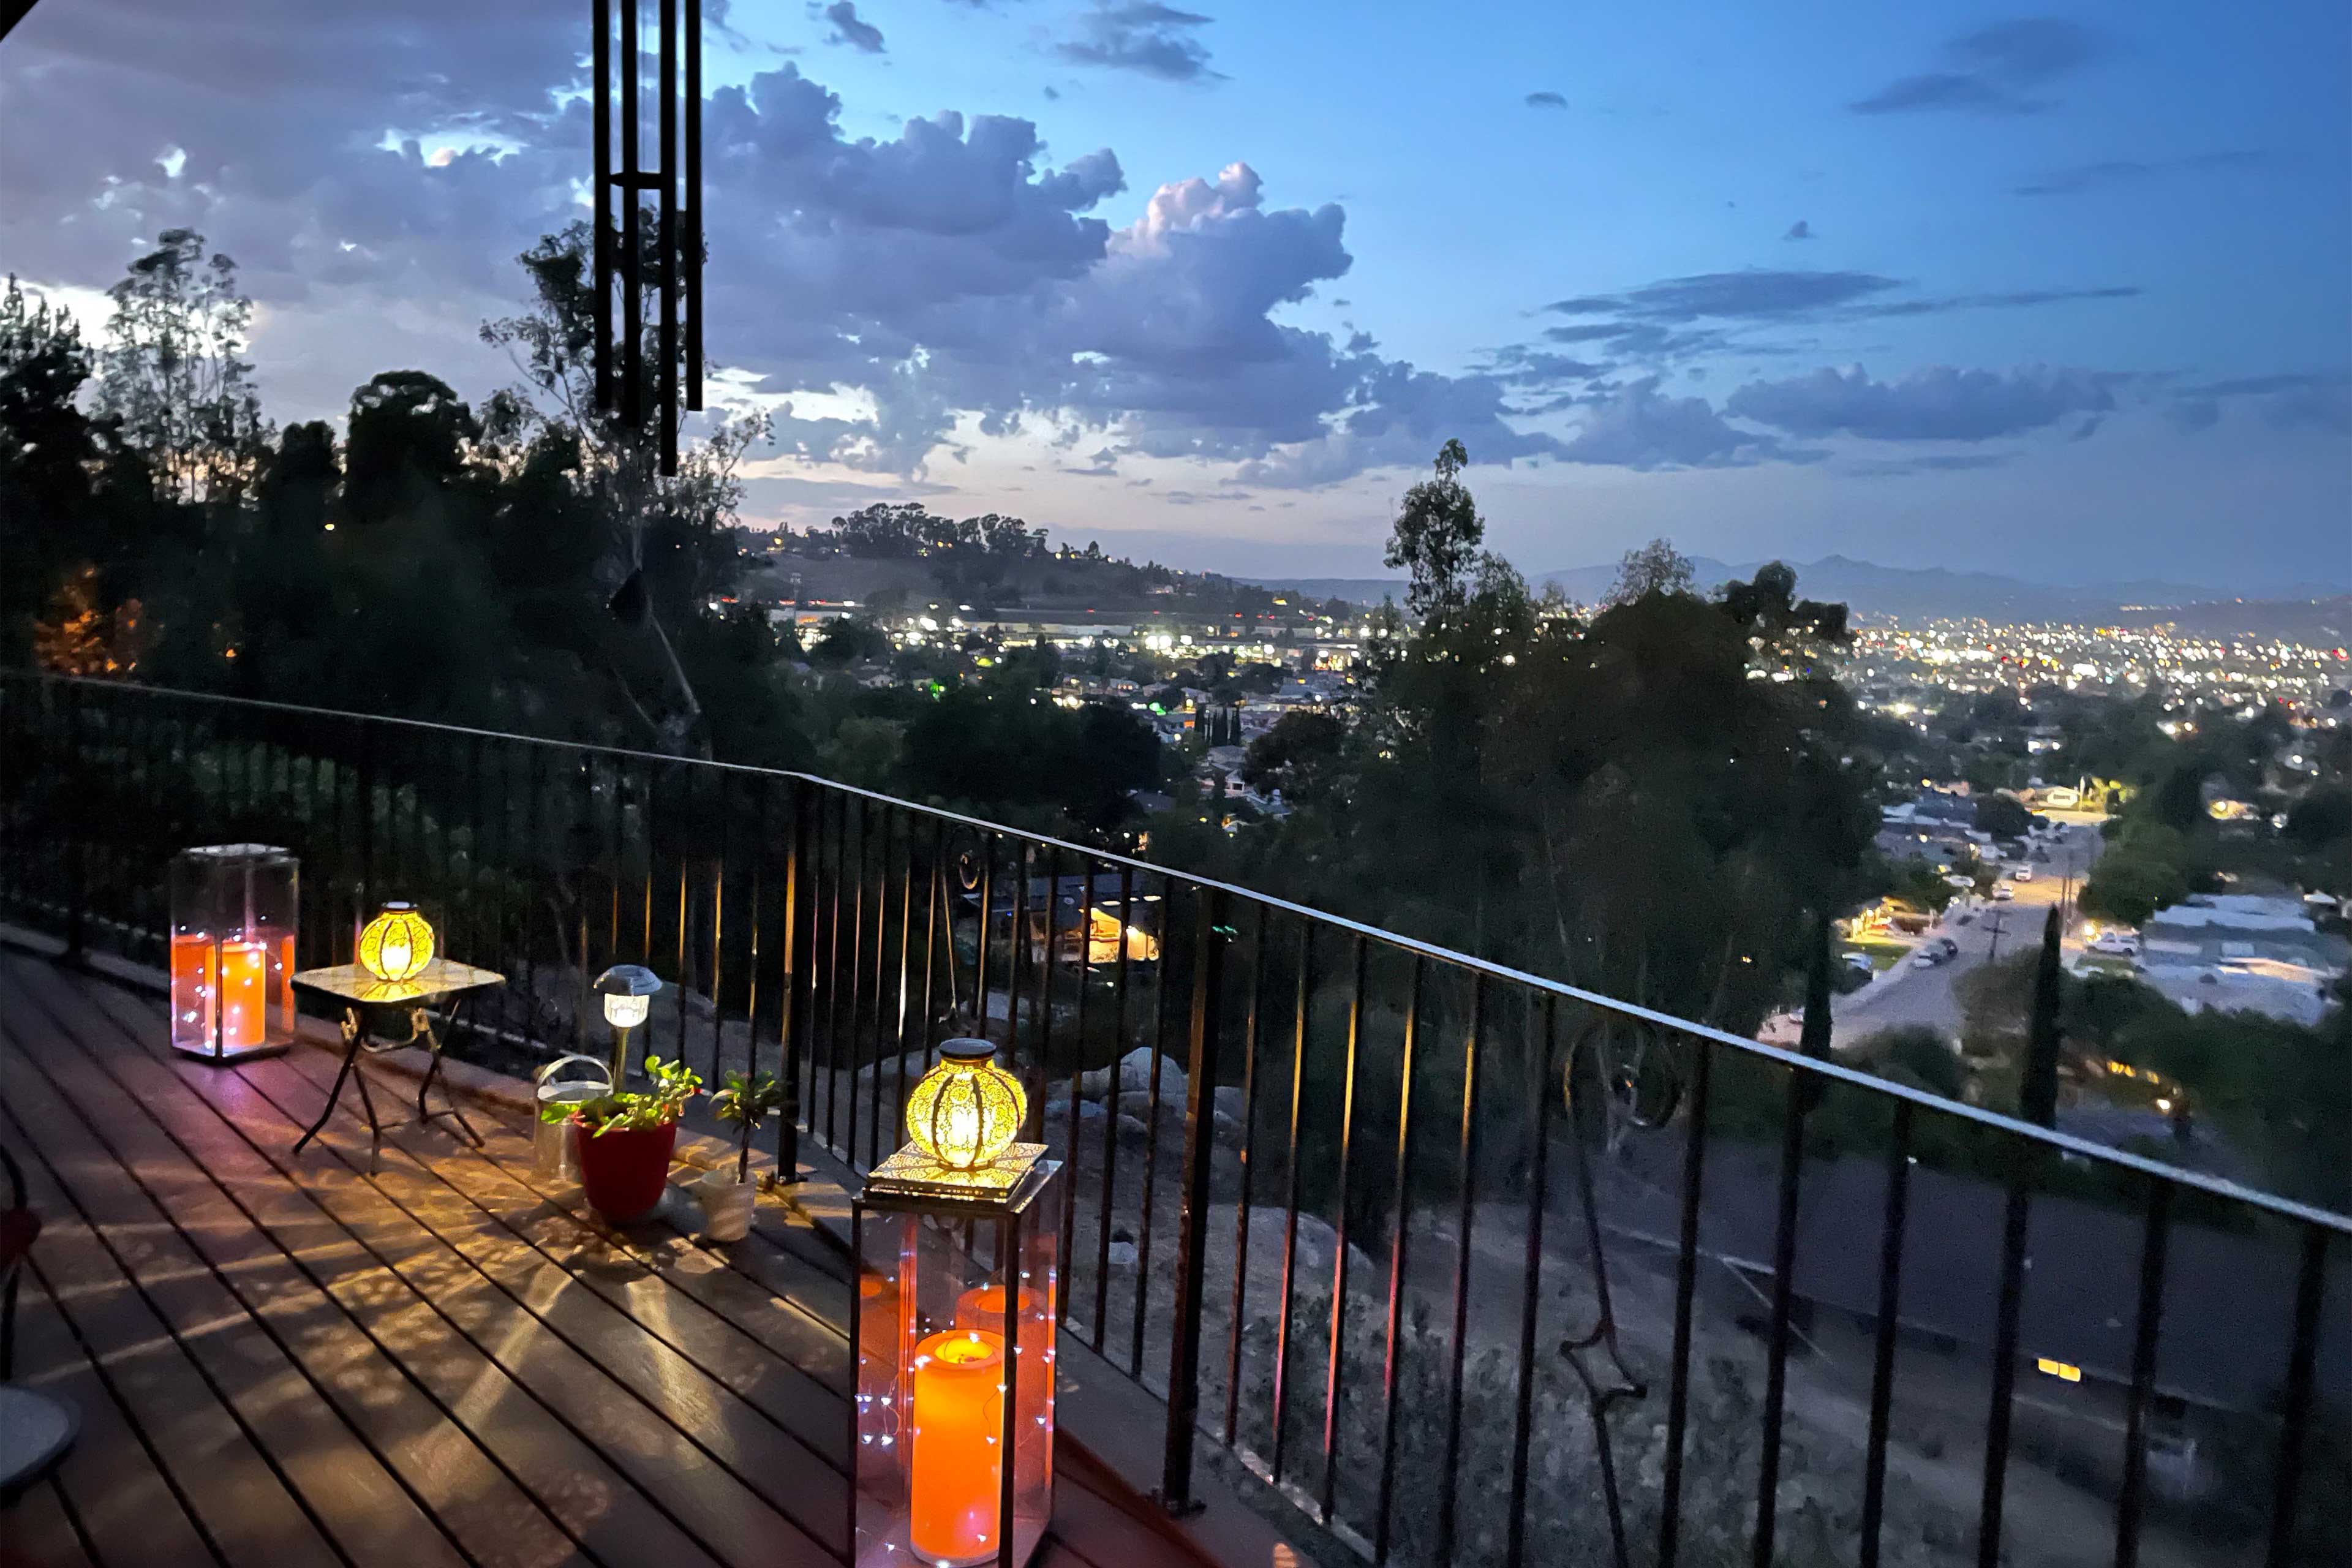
958 1236
965 1112
397 944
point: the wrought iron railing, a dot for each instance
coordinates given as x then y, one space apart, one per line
1466 1264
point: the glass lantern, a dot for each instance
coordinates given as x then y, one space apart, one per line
949 1381
233 929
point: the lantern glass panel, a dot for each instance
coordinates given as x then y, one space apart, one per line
932 1380
234 912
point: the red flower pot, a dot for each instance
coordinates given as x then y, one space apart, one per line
624 1172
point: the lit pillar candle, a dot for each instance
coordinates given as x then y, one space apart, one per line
982 1309
954 1460
244 993
191 989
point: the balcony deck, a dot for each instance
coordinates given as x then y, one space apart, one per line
423 1360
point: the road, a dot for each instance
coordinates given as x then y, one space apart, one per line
1984 929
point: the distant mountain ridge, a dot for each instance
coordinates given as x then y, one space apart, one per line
1904 593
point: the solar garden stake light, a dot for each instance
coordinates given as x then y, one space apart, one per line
954 1397
628 991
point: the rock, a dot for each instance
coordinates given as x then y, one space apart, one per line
1133 1130
1122 1255
1135 1076
1229 1102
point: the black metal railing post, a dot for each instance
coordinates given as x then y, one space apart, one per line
793 1016
76 840
1214 934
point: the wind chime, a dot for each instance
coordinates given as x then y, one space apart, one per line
676 182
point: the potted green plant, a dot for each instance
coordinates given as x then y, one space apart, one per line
747 1101
623 1140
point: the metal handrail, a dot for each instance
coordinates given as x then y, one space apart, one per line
833 909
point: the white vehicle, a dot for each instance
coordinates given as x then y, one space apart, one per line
2002 892
2119 943
2020 874
1925 960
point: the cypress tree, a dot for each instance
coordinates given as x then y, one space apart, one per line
2037 1097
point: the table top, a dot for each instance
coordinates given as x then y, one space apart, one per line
441 977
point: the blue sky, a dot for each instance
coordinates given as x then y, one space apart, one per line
2066 292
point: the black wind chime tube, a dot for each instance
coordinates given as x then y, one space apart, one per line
633 313
620 248
694 236
602 240
669 235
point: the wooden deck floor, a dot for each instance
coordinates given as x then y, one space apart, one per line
421 1361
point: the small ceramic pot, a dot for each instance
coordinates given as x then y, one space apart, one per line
726 1205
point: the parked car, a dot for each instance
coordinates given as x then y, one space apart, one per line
2002 892
1927 958
2121 943
2022 874
1951 949
1860 962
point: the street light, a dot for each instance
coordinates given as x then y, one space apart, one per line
628 991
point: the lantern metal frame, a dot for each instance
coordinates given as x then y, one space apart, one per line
925 1224
241 897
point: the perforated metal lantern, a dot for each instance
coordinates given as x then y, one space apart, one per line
965 1113
397 944
234 914
955 1360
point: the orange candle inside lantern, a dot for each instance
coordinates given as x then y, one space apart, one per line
981 1307
244 993
191 987
955 1458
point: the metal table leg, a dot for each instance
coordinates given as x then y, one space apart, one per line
421 1025
352 1035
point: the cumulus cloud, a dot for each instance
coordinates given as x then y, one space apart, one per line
1142 36
1546 101
2109 172
1993 71
945 283
2317 401
1639 427
1940 403
850 28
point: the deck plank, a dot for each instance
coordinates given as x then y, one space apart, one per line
39 1534
345 1488
380 1268
222 1475
751 1346
491 1520
110 1479
685 1443
716 1437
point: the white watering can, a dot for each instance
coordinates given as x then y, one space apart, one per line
551 1156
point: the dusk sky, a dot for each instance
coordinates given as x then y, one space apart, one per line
2067 295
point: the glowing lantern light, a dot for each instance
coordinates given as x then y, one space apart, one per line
397 944
965 1111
